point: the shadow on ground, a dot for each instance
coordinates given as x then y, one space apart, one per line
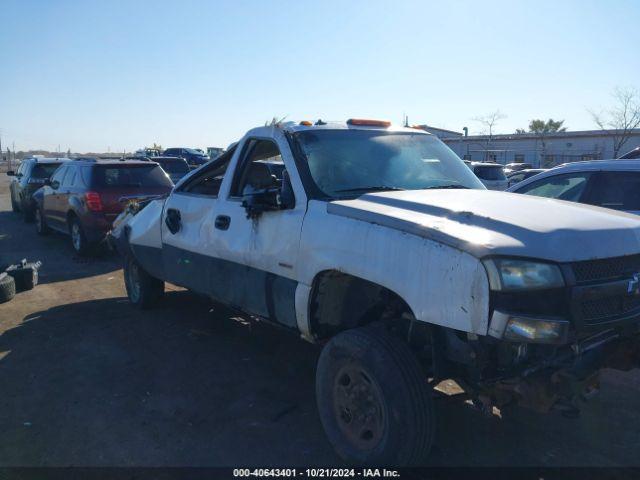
19 240
185 384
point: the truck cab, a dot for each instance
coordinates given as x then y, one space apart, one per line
379 244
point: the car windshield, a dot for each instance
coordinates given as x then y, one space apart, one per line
174 165
490 173
345 163
44 170
193 151
130 176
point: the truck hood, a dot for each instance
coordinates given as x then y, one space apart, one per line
485 223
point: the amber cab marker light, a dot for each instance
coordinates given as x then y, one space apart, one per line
368 123
306 123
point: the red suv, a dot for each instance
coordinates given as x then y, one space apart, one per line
83 197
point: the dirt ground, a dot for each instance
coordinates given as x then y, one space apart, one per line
87 380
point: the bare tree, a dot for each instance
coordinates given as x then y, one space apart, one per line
488 123
620 121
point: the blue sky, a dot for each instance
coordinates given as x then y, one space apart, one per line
91 75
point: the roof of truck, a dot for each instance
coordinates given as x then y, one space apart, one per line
331 125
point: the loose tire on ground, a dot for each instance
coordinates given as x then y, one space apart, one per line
7 288
41 224
143 290
374 401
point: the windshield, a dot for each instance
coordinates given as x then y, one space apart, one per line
44 170
345 163
173 165
490 173
130 176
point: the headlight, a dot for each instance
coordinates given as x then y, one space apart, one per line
512 274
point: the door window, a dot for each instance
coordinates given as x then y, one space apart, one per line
69 177
564 187
617 190
58 176
209 181
262 168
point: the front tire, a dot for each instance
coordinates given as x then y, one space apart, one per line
373 398
143 290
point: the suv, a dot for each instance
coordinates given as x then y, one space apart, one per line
379 244
84 196
176 167
604 183
30 175
490 174
194 157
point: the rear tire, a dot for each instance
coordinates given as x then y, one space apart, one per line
7 287
373 398
14 206
143 290
79 240
41 224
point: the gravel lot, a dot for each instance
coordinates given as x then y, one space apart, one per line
86 380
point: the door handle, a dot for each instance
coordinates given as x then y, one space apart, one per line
223 222
173 220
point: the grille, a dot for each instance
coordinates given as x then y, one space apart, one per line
606 269
603 308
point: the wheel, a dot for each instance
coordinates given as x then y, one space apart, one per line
14 206
7 288
374 401
79 241
41 224
143 290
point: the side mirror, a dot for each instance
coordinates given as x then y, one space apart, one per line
47 181
261 201
11 173
54 184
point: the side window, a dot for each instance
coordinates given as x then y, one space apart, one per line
617 190
262 168
58 176
69 177
208 182
564 187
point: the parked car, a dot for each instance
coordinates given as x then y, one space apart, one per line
490 174
633 154
194 157
379 244
31 174
176 167
84 196
516 167
520 175
604 183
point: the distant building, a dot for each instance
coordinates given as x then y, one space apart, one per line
539 150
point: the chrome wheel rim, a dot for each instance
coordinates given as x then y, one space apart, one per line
75 236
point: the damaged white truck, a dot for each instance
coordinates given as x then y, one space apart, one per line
381 245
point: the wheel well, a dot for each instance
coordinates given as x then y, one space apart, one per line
340 301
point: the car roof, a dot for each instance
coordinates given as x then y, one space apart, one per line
99 161
168 157
49 160
295 127
586 166
486 164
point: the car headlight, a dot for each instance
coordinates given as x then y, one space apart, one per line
506 274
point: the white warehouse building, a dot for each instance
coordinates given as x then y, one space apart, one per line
539 150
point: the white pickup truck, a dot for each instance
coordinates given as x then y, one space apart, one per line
381 245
